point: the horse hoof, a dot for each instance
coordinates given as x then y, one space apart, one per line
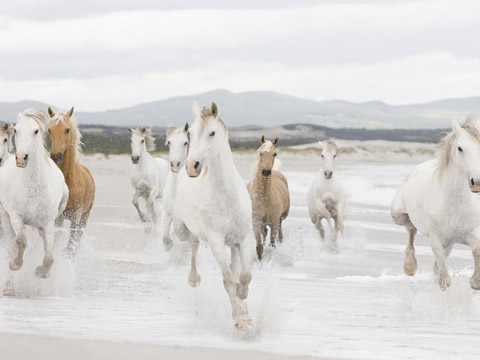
143 218
475 283
167 244
8 291
243 322
42 272
14 265
194 280
445 283
410 266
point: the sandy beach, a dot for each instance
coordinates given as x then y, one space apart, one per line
126 297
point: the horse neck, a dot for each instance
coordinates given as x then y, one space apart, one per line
221 166
37 165
68 165
261 184
455 182
145 160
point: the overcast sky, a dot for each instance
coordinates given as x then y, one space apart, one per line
102 54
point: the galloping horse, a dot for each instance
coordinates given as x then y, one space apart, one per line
268 190
326 198
66 147
436 199
6 142
34 194
177 140
213 205
149 174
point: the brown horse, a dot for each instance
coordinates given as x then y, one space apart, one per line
268 190
66 147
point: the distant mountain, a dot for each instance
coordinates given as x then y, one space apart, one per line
269 109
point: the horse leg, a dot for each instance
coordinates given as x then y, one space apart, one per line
475 279
150 206
440 263
258 231
410 263
241 255
280 232
9 238
273 234
143 216
193 277
167 222
183 234
318 225
59 227
264 232
76 233
43 271
16 262
217 246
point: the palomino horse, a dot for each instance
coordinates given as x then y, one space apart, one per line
149 174
326 198
268 190
66 147
6 142
212 204
36 196
436 199
177 140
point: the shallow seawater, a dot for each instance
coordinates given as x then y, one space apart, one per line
304 299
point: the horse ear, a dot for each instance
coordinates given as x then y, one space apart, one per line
196 109
130 129
214 110
456 126
70 112
263 139
50 112
186 127
275 141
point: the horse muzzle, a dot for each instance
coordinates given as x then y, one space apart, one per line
175 166
57 158
474 185
21 160
194 168
266 173
135 159
328 174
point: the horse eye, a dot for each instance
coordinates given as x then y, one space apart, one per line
334 156
212 133
143 141
5 140
15 131
36 132
186 143
322 155
275 154
67 131
460 149
168 143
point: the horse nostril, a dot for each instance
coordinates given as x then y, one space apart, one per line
26 157
472 182
197 164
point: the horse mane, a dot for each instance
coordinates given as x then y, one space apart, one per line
76 135
41 118
146 132
206 114
444 150
331 143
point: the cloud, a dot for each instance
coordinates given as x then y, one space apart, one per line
121 55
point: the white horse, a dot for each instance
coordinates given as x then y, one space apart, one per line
36 192
6 142
177 140
436 199
213 205
149 174
326 198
